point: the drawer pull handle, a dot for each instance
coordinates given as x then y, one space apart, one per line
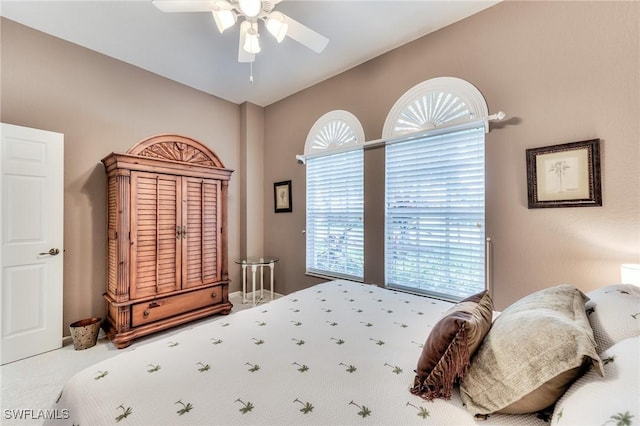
146 313
213 295
154 305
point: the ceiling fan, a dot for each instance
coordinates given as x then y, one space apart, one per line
227 12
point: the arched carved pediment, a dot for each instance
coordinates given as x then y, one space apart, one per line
177 151
176 148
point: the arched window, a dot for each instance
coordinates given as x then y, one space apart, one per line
333 131
335 197
434 190
438 102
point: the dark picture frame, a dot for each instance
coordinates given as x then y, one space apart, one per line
282 197
565 175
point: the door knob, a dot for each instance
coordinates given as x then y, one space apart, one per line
52 252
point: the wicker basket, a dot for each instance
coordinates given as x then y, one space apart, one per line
85 333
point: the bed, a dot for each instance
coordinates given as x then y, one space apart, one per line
335 353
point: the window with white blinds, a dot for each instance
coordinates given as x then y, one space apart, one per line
434 220
335 210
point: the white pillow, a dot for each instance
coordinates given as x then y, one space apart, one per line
613 399
614 314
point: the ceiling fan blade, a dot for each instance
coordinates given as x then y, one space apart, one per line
306 36
243 55
185 5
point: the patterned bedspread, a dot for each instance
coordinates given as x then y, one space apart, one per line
334 354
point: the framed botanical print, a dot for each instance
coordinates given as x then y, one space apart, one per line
566 175
282 196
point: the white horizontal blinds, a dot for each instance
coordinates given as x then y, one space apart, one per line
335 210
435 233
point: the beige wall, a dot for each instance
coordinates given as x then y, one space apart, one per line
251 175
103 105
562 71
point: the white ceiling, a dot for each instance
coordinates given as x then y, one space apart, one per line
187 47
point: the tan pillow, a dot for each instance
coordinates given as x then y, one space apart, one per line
450 345
536 348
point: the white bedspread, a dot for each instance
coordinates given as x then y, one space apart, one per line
334 354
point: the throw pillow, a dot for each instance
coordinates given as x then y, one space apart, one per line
452 342
535 349
614 314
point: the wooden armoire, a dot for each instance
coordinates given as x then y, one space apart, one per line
166 237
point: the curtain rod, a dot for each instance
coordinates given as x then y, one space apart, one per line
499 116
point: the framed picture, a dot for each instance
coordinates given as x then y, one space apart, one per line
282 196
566 175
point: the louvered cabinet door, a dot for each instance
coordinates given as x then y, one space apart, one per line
201 232
155 238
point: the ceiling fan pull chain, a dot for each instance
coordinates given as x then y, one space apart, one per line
251 72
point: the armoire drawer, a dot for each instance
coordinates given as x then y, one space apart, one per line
147 312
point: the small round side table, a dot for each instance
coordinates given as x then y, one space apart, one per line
255 263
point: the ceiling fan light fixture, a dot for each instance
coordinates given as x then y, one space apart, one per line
250 8
224 18
252 41
277 25
247 13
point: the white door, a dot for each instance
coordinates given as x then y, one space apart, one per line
31 246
